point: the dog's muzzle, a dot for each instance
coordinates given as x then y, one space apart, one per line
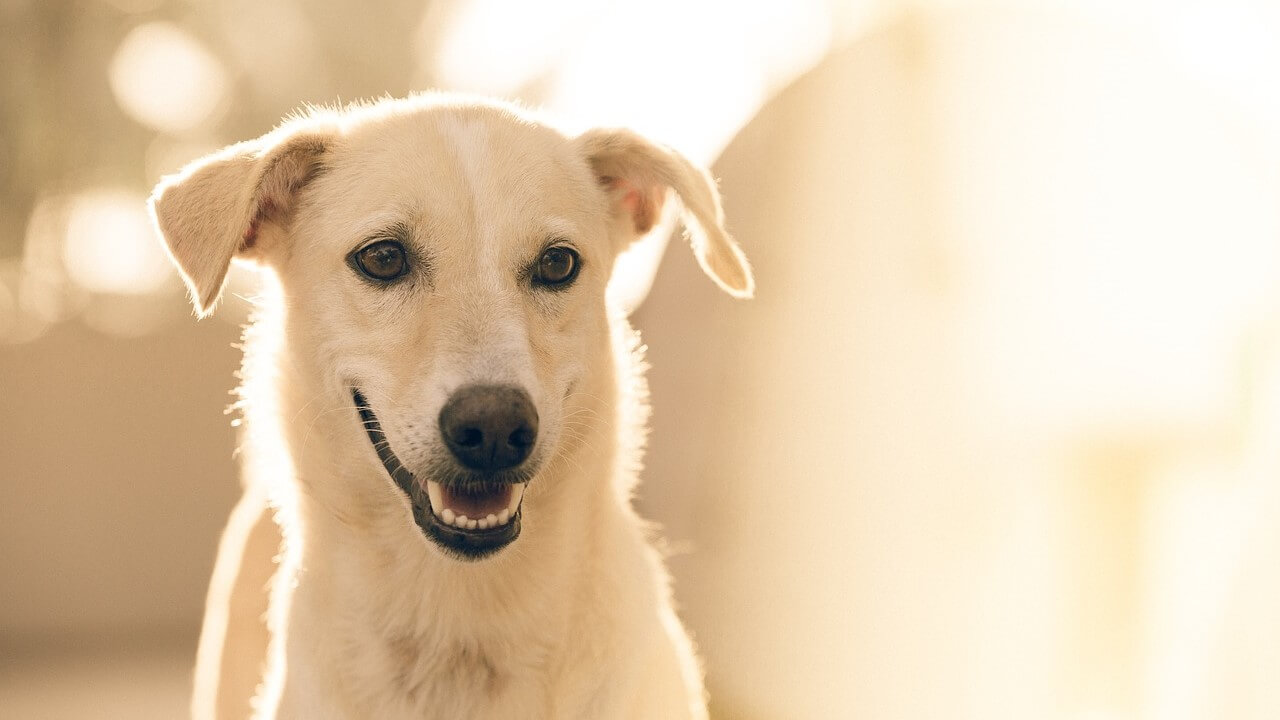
469 505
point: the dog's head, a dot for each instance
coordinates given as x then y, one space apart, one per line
444 267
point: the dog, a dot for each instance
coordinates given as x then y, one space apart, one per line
455 408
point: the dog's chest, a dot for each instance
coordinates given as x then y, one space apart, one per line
454 679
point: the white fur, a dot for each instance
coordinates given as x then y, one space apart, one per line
368 618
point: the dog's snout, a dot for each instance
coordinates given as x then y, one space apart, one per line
489 427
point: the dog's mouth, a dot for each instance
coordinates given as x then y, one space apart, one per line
471 515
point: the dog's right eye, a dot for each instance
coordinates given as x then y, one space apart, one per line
383 261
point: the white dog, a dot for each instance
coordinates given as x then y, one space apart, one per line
461 408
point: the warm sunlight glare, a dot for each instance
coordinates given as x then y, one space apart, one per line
496 47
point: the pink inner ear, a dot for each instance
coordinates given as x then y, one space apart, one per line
250 235
644 205
266 206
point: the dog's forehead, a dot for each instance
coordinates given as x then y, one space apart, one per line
468 171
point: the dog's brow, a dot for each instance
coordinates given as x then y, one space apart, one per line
398 230
558 227
383 224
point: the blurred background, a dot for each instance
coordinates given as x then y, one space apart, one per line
998 438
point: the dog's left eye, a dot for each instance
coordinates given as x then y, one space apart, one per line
384 260
558 266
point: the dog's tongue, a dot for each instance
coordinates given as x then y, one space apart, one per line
477 505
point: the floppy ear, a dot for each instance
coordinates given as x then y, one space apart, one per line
637 173
225 205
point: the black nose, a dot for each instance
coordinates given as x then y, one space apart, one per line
489 427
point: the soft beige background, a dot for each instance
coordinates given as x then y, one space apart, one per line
999 437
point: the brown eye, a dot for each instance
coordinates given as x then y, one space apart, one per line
384 260
557 267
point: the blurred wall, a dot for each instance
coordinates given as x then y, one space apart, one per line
117 470
996 438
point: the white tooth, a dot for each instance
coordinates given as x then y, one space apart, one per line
492 520
504 516
471 524
436 498
517 492
447 516
461 521
483 523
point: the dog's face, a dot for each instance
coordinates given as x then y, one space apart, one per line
444 269
450 269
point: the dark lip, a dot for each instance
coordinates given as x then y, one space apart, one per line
464 544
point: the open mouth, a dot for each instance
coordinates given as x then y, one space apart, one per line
470 514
